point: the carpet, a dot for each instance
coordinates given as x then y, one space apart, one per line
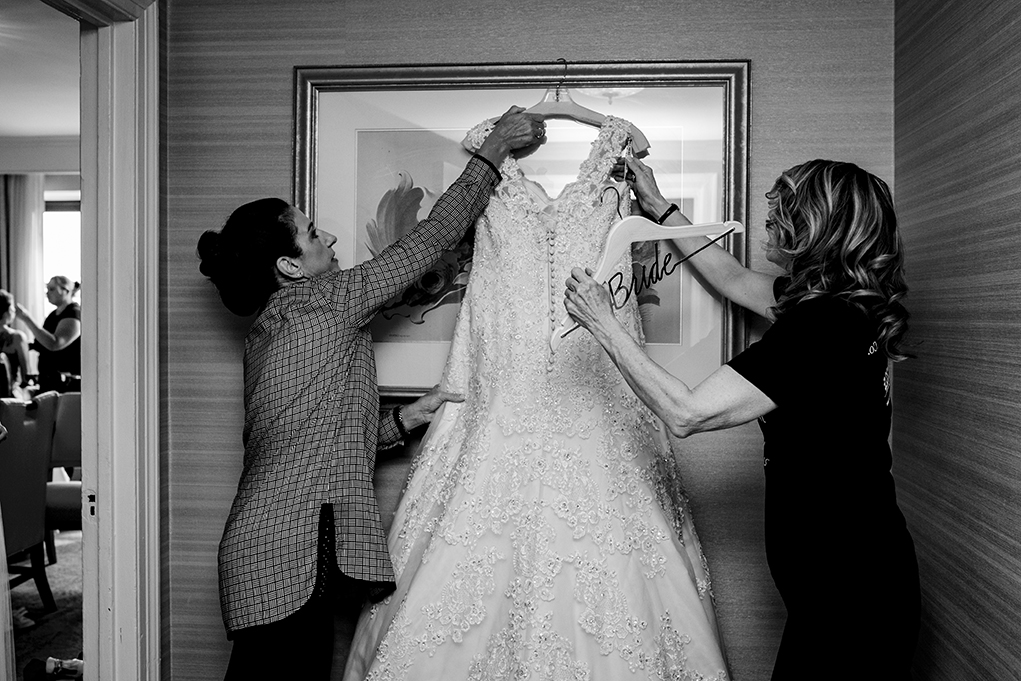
55 634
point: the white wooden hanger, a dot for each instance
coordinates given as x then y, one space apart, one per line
637 228
557 103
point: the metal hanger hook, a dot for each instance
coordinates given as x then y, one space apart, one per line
563 78
619 198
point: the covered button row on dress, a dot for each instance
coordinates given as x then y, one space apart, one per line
551 307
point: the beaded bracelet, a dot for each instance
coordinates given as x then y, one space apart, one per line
668 212
400 423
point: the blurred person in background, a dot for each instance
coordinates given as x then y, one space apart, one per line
13 351
58 340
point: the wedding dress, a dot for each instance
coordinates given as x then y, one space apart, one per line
543 533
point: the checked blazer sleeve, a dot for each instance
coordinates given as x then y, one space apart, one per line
375 281
389 435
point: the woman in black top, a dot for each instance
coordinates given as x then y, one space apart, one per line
58 340
819 383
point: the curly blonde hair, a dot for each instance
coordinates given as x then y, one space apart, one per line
835 228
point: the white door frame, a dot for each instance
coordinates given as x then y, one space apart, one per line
120 349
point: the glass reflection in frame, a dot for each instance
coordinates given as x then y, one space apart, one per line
406 147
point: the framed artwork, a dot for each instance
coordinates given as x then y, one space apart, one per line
375 146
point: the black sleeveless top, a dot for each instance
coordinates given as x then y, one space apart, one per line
68 360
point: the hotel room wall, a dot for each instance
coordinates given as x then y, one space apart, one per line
956 427
821 85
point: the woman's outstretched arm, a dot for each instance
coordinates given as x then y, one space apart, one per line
723 400
750 289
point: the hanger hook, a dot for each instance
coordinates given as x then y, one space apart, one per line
619 198
563 78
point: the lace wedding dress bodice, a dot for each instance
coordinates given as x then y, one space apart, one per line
544 533
526 246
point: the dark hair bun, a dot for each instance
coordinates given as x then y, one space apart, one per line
240 259
209 254
221 266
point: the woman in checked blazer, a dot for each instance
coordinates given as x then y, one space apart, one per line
304 524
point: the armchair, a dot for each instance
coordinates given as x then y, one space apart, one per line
24 469
64 499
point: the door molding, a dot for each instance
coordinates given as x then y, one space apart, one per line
120 348
101 12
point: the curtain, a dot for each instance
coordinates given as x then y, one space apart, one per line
21 241
21 272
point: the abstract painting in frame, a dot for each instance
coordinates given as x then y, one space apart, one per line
376 145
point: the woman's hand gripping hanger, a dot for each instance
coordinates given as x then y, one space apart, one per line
635 228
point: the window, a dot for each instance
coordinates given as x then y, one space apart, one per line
62 236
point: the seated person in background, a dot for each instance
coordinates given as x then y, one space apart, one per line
14 347
58 340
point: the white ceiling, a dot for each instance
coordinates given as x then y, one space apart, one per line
39 70
39 79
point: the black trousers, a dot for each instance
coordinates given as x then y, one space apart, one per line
300 646
870 635
297 647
